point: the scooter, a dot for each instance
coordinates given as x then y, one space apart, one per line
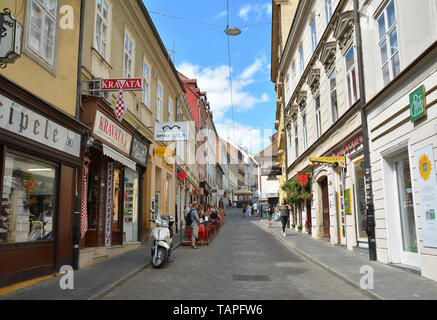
162 240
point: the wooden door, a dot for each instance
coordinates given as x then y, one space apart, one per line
325 200
309 213
118 205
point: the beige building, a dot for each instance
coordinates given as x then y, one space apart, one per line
120 41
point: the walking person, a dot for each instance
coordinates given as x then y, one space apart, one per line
249 210
270 211
194 224
284 213
255 209
244 211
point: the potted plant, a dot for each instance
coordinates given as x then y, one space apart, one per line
293 225
299 227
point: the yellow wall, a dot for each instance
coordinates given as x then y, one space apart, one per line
58 89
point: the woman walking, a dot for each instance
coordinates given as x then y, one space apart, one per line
270 211
284 213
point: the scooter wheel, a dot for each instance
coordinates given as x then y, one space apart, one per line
161 257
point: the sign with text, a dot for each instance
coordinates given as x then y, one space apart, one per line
10 38
171 131
427 184
108 215
110 132
418 104
341 161
347 202
22 121
140 151
121 84
274 171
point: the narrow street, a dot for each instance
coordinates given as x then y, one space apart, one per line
243 262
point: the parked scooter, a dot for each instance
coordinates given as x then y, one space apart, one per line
162 240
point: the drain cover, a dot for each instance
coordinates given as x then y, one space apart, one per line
241 277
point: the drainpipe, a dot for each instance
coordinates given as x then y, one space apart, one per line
76 218
370 230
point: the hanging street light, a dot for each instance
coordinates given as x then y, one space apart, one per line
232 31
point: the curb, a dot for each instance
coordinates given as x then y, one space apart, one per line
329 269
123 280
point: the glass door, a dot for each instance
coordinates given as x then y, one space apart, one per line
406 212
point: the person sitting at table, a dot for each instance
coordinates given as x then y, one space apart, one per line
214 214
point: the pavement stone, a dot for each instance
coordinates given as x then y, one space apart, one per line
93 281
390 283
239 252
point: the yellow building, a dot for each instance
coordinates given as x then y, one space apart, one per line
40 140
119 42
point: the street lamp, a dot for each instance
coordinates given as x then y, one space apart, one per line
232 31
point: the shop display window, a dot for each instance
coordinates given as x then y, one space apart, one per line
28 199
130 225
360 193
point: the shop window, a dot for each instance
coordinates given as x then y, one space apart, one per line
28 198
360 201
130 225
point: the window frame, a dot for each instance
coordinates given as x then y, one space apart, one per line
328 11
170 114
302 59
105 55
304 131
334 72
131 56
314 33
386 38
349 72
146 85
159 101
296 141
318 110
29 50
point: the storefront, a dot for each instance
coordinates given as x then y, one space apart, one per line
403 134
40 156
116 159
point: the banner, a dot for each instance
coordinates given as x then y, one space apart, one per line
427 184
108 220
83 211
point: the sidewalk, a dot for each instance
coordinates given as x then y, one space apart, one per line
94 281
390 283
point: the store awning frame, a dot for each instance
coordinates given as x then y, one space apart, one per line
117 156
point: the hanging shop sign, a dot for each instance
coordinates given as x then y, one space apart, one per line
140 152
418 104
121 84
164 152
351 146
427 184
302 178
182 176
11 33
171 131
109 131
347 202
18 119
273 171
335 161
108 215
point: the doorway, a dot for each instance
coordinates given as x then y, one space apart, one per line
325 206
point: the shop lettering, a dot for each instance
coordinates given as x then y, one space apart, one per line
121 84
111 130
24 125
350 146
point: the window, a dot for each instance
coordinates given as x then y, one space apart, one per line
27 208
41 29
287 88
388 43
302 62
304 131
314 34
128 57
296 141
102 28
318 117
328 10
146 80
351 77
170 110
293 70
159 102
333 95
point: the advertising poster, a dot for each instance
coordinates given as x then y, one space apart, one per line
427 184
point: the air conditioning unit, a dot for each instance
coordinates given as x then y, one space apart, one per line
95 85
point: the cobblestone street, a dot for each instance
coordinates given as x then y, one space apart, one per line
243 262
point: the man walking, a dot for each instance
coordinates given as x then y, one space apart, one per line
255 209
195 222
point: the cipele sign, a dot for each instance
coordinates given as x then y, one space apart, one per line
110 132
24 122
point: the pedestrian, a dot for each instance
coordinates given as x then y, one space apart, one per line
255 209
244 210
270 211
284 213
194 225
249 210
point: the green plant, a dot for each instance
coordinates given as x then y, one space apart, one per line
295 191
299 227
293 226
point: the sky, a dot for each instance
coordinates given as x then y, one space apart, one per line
196 33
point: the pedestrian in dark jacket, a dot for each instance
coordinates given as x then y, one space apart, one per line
284 213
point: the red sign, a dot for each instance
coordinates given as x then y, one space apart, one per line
182 176
121 84
352 145
302 178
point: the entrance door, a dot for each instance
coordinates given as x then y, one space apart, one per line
409 254
325 200
309 214
117 215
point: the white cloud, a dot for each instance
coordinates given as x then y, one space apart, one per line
215 81
245 136
258 9
219 15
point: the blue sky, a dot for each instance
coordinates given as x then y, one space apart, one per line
201 52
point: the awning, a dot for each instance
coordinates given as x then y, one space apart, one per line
117 156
